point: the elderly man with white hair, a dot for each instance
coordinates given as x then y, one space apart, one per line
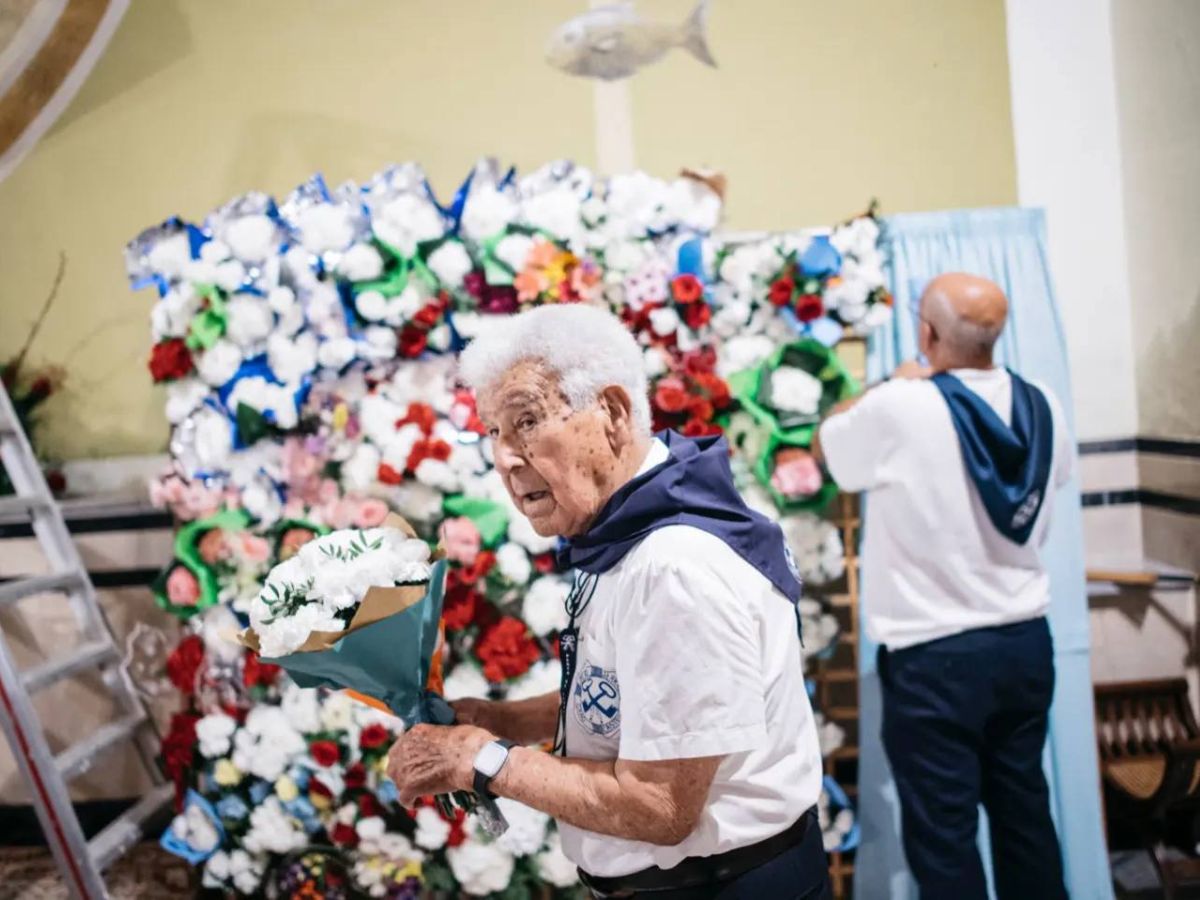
686 760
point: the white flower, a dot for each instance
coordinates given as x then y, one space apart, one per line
168 256
514 563
794 390
859 237
219 362
664 321
217 870
542 678
544 609
325 227
214 733
371 305
229 275
246 870
337 711
450 262
553 867
693 204
266 745
487 212
275 401
520 529
817 546
848 297
465 680
593 211
292 358
251 238
336 353
360 471
379 343
417 502
513 249
196 829
526 828
743 352
626 256
438 474
467 324
302 706
281 299
361 262
183 396
261 500
432 830
172 315
556 212
439 338
731 318
480 868
272 830
406 221
654 362
213 439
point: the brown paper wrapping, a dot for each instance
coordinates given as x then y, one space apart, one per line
378 603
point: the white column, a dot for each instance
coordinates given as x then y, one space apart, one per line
613 122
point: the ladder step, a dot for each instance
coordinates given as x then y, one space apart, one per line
130 827
78 758
86 656
39 584
21 507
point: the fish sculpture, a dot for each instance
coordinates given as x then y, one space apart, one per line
612 42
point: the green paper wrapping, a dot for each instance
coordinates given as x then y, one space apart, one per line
489 517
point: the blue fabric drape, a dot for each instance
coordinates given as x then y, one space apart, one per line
1008 246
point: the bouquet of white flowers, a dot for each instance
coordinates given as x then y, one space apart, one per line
360 610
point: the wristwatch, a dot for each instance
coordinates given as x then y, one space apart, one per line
488 762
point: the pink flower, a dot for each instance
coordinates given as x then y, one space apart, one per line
182 587
370 513
797 474
252 548
299 464
461 539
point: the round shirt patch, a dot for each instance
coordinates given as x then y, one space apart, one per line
597 699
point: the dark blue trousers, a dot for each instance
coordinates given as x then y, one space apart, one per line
964 723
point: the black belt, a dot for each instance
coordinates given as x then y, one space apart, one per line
701 871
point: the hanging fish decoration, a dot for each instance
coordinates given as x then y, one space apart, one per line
612 42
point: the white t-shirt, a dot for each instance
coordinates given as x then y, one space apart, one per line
686 650
933 563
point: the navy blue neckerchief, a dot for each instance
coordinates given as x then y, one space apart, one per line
693 486
1009 464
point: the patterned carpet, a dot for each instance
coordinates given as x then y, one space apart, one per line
28 873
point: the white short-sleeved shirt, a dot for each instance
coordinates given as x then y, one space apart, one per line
686 650
933 563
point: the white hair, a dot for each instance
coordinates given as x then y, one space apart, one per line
967 339
586 347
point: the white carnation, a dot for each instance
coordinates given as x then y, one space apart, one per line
450 263
544 609
325 227
664 321
292 358
487 213
172 315
379 343
196 829
514 563
465 680
261 500
361 262
213 439
183 397
480 868
168 256
272 830
406 221
337 712
229 275
360 471
743 352
214 733
302 706
432 830
553 867
520 529
417 502
794 390
543 677
219 362
251 238
336 353
281 299
513 250
526 828
468 324
266 745
438 474
371 305
276 401
556 212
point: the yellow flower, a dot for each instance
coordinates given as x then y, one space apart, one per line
226 773
319 801
286 789
341 414
412 870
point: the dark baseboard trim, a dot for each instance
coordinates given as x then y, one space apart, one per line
1188 506
78 523
19 826
117 578
1160 446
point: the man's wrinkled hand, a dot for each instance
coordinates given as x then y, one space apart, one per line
472 711
435 759
912 370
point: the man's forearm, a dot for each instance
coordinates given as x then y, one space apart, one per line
530 721
606 796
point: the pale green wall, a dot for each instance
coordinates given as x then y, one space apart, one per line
817 107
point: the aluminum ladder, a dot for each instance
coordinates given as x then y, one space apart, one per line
80 861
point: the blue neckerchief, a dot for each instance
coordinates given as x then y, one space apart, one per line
694 486
1009 465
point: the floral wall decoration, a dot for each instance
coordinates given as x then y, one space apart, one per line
308 349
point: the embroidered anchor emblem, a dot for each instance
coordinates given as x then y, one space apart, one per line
597 700
601 691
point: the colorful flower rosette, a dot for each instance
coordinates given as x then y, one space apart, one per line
785 399
189 584
839 824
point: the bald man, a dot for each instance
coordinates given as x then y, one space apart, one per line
961 459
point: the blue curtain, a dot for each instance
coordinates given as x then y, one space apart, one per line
1008 246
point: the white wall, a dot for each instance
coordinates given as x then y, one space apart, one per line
1065 128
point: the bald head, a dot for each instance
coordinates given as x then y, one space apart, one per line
962 317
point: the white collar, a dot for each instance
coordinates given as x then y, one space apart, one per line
656 456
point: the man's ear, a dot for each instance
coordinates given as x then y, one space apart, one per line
618 417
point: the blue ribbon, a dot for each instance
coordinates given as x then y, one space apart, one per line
174 844
690 259
820 259
454 211
197 238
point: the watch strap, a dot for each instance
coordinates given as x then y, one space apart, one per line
483 782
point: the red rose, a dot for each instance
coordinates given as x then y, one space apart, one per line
420 414
670 395
368 806
427 449
178 751
374 735
478 569
458 611
388 475
781 291
474 283
356 776
545 563
697 315
254 671
716 389
499 299
344 835
318 787
170 360
687 289
506 650
412 341
701 409
427 316
325 753
699 428
701 361
184 662
458 834
809 307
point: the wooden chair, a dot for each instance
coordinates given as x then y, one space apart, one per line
1150 764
